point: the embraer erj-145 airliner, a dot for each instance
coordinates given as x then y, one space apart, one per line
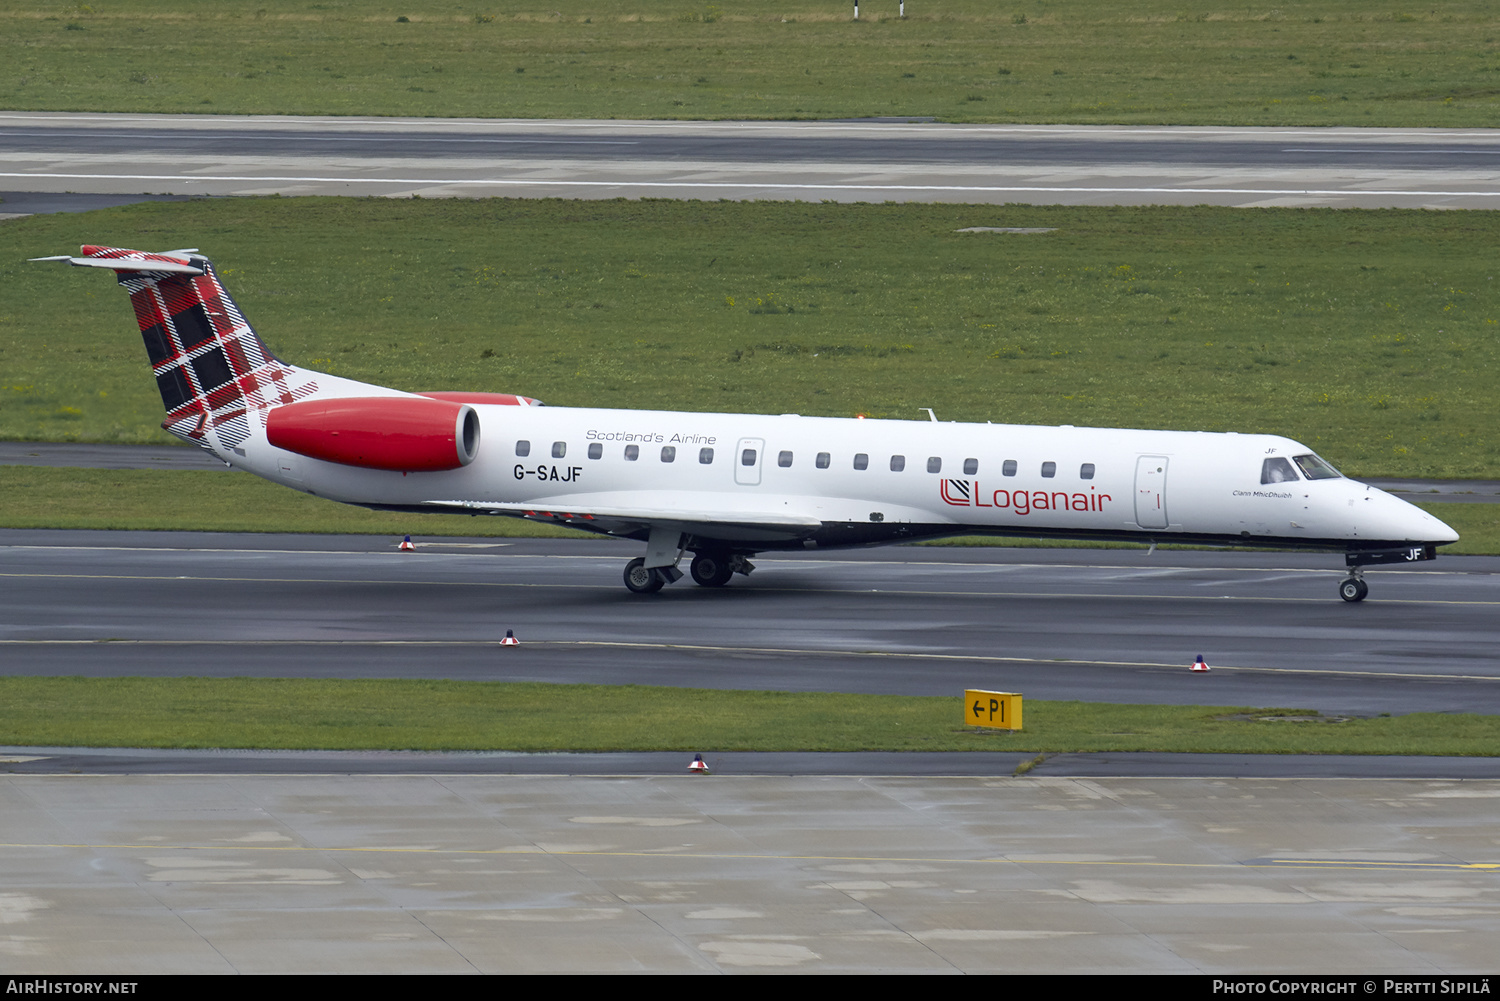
727 486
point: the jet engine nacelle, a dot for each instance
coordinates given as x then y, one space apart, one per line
408 434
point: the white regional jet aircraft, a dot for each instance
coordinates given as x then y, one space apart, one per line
727 486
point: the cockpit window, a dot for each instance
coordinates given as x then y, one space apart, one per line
1277 470
1315 468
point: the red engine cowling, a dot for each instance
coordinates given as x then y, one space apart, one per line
408 434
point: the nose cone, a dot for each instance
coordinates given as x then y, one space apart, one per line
1391 519
1441 531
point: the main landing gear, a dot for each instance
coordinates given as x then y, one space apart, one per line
647 580
711 569
708 570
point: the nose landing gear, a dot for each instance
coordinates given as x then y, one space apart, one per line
1353 589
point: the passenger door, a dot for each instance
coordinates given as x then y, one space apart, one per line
1151 491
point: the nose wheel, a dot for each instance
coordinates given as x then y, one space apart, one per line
1353 589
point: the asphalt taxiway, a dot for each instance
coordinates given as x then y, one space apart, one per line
1099 625
788 764
843 161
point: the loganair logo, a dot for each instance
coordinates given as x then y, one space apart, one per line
967 493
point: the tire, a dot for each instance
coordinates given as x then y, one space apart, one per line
1353 590
640 579
711 569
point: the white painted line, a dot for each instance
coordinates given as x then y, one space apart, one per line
764 560
903 123
1399 149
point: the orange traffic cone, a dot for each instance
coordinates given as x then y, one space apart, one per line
510 640
698 766
406 546
1199 665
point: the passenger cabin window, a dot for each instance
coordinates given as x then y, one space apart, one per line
823 460
632 453
1315 468
523 448
669 453
784 460
706 456
934 464
1049 469
898 463
1086 471
595 450
1009 468
747 457
559 449
1277 470
861 461
971 466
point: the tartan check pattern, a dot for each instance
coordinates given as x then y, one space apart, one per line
212 370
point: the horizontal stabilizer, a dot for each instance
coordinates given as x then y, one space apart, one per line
155 263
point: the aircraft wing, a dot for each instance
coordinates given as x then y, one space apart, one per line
731 525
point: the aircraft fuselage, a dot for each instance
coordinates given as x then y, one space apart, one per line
839 481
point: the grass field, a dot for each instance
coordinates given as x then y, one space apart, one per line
1370 335
456 715
180 500
1324 62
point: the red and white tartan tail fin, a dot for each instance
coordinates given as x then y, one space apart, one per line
211 368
